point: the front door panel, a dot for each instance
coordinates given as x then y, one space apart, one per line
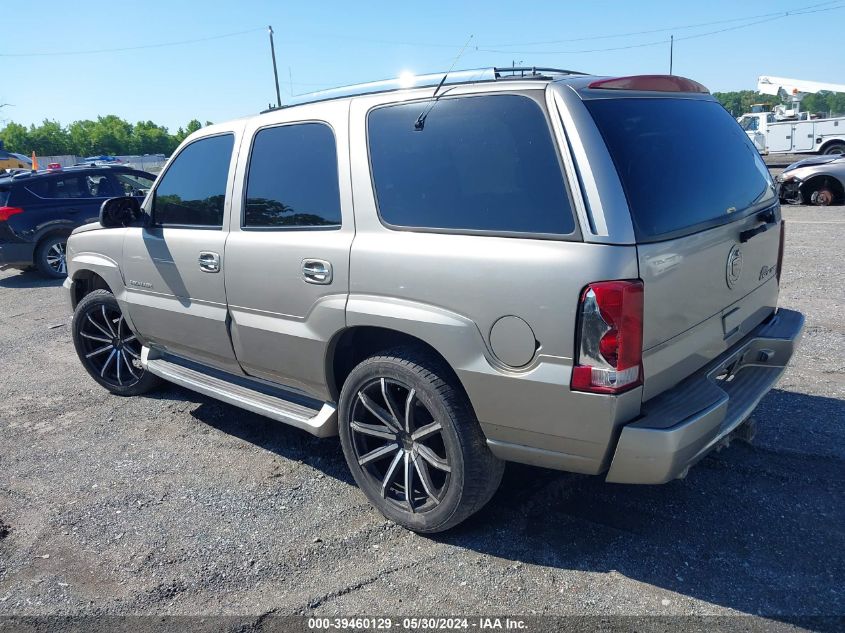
173 268
173 302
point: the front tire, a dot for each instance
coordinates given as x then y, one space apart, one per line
412 442
108 349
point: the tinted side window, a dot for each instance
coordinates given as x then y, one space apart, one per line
133 184
480 163
293 178
193 189
66 187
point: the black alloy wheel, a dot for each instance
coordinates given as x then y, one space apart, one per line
109 350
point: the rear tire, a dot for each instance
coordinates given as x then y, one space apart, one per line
834 148
405 425
108 349
50 257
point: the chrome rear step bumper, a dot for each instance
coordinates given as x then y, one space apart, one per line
680 426
321 422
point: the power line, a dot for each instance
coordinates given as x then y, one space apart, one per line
666 29
661 42
493 48
133 48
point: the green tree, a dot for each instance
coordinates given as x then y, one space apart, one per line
149 138
16 138
111 135
49 139
740 102
107 135
183 133
81 134
193 126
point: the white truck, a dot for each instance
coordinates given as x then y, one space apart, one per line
788 130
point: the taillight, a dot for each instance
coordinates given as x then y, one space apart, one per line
780 249
7 212
610 337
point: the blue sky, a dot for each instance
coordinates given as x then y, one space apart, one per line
324 44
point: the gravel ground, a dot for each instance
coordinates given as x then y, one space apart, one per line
178 504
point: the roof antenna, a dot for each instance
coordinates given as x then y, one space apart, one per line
420 122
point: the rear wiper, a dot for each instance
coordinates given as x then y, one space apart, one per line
419 124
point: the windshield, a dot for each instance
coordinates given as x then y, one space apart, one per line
748 123
685 164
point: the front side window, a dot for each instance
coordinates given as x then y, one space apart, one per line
133 184
101 186
482 163
192 191
292 178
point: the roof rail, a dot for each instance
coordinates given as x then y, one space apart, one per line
429 80
532 72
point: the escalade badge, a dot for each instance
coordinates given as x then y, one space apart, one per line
734 268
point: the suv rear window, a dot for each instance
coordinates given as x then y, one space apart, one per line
685 164
481 163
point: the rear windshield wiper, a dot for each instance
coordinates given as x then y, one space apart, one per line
419 124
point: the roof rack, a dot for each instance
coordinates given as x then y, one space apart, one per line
22 174
477 75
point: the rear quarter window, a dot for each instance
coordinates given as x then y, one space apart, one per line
685 164
480 164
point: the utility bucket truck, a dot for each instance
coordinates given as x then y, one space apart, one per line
788 130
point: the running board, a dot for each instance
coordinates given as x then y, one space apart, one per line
320 422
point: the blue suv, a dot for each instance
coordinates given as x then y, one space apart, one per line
39 210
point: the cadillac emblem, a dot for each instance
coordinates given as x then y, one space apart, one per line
734 267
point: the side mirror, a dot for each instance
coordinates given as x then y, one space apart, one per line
116 213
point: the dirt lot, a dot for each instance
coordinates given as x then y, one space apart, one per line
178 504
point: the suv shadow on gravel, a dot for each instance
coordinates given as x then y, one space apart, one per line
29 279
757 529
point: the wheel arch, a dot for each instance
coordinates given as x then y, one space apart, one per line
351 346
86 281
830 142
816 180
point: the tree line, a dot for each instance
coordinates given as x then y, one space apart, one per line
112 135
740 102
107 135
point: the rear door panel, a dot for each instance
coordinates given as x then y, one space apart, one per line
281 324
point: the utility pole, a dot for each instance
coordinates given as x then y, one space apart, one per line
275 71
671 50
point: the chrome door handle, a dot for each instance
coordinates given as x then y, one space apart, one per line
317 271
209 262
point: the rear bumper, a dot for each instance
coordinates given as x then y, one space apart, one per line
680 426
16 254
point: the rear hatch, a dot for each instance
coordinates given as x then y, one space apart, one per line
707 223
